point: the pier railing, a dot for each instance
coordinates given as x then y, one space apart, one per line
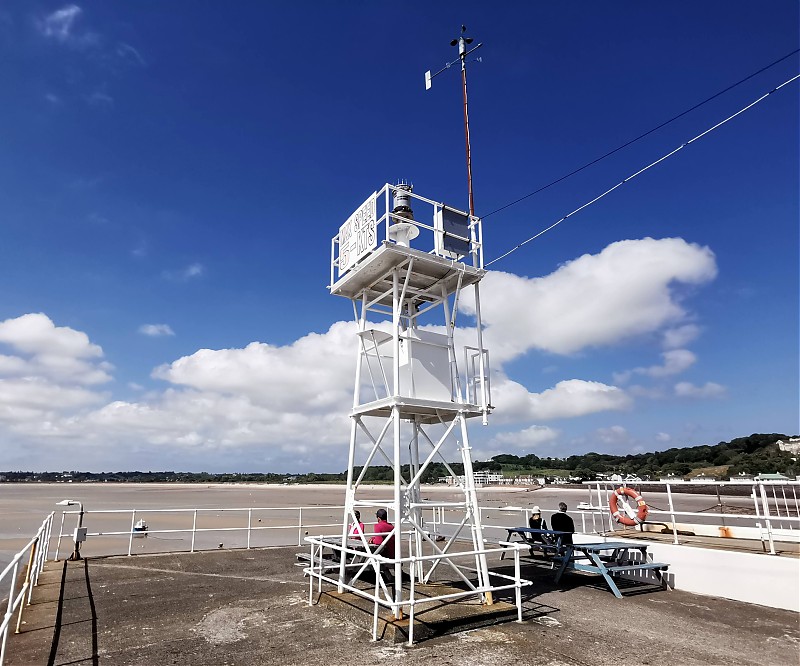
19 587
770 513
115 532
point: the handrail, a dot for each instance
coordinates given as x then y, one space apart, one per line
19 595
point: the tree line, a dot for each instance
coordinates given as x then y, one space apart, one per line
758 453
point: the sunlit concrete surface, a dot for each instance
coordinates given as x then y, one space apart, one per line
250 607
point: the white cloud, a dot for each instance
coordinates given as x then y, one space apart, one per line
663 437
528 438
286 406
184 274
626 290
53 98
156 330
708 390
36 334
60 26
567 399
44 379
612 435
681 336
675 362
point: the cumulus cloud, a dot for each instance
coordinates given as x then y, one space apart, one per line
708 390
288 404
628 289
48 374
613 435
681 336
156 330
529 438
663 437
675 362
567 399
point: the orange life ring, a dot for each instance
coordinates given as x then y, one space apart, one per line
641 512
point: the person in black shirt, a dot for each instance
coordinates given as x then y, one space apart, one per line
536 522
561 522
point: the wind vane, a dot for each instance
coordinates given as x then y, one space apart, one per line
462 42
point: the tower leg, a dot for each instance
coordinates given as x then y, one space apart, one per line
474 511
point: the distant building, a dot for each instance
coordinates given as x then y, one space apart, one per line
771 477
702 478
742 478
791 445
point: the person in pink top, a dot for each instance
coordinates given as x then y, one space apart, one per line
383 527
357 528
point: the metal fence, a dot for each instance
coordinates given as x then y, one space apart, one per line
114 531
769 512
20 588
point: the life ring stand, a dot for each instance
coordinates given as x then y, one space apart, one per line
641 511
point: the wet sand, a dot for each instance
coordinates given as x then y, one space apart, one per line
23 506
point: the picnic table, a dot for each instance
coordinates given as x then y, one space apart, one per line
607 559
549 544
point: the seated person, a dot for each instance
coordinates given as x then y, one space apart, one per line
536 522
382 528
356 530
562 522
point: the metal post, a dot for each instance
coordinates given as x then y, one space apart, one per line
130 538
462 52
767 521
26 584
249 524
672 515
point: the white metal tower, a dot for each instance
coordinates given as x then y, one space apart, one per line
418 377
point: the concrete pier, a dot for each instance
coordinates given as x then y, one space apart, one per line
251 607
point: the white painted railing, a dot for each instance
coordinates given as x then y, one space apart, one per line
774 513
381 596
120 535
19 588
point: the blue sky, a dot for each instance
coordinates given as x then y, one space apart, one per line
171 175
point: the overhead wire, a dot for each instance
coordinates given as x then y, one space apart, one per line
641 136
641 171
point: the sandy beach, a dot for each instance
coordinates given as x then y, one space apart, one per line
23 506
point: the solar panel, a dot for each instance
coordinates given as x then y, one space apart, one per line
452 233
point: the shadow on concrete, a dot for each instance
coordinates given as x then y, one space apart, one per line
59 625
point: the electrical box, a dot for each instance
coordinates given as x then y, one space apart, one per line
80 535
424 365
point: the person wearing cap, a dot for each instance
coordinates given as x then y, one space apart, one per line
536 522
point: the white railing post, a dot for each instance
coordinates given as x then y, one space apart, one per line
194 528
767 521
60 532
9 612
672 515
130 537
300 526
249 523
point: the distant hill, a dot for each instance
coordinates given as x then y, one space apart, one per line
758 453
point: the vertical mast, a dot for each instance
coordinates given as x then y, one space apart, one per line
462 43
